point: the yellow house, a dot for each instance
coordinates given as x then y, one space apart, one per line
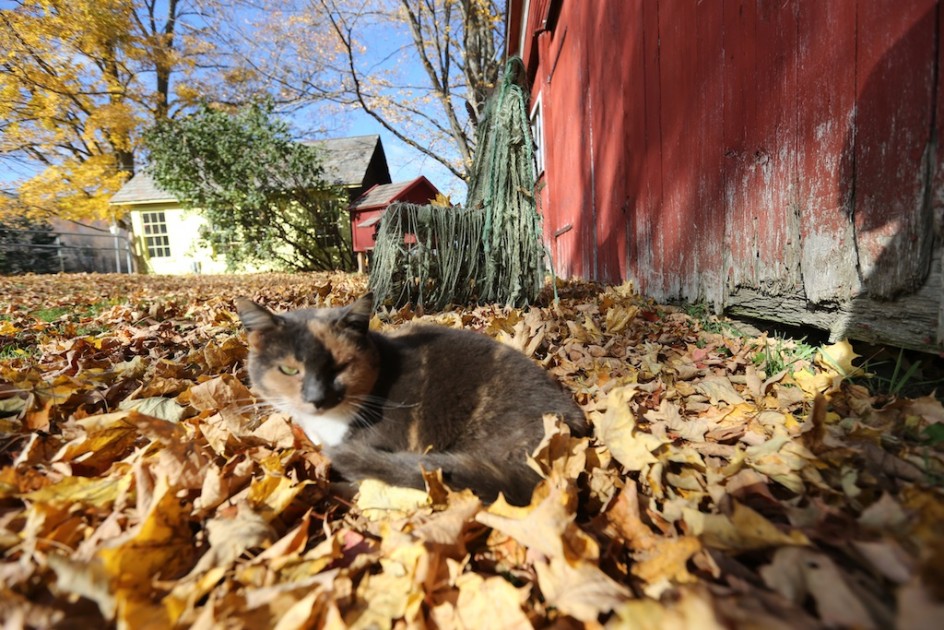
167 235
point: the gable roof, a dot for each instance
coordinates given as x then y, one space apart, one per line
382 195
141 189
346 162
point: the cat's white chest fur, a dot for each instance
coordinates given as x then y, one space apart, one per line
327 429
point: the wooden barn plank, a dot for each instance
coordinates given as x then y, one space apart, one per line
643 161
612 22
693 210
937 189
908 322
569 224
826 112
760 103
894 82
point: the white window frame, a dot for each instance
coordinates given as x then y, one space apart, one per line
537 132
156 238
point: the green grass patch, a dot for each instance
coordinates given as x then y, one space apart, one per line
782 354
75 313
899 373
711 323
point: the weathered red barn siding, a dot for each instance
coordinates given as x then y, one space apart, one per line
779 159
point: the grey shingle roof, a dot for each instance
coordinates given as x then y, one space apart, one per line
345 162
140 189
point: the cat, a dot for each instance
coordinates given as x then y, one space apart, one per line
386 405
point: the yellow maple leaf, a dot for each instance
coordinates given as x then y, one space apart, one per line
490 602
745 529
99 492
377 500
838 357
617 430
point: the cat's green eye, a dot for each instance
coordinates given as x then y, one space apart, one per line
288 370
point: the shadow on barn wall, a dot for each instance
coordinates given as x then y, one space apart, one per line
870 222
778 160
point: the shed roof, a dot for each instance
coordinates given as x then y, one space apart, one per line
345 161
382 195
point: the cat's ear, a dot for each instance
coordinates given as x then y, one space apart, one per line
254 316
358 314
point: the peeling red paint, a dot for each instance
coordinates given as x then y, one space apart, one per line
701 148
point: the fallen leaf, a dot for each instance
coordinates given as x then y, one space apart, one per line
719 389
744 530
378 501
582 591
490 603
839 356
617 430
796 573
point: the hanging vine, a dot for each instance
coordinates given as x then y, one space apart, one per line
490 251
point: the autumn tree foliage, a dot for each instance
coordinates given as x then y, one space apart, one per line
421 68
79 79
262 192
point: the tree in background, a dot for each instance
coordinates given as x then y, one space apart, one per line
262 193
27 246
421 68
80 79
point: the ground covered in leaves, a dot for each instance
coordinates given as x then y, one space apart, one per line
732 481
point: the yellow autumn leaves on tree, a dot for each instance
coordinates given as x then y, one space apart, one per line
79 79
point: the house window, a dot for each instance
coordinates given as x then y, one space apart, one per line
155 234
537 130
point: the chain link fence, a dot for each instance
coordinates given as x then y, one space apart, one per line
46 251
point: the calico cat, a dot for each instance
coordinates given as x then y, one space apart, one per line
383 406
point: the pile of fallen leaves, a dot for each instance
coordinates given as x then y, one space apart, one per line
731 480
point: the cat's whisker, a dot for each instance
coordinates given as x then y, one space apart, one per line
260 407
381 402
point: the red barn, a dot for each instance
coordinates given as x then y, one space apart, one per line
367 209
775 159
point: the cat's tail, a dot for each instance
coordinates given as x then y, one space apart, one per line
356 462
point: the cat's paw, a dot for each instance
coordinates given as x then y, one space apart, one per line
349 461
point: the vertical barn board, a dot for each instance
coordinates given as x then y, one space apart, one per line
544 200
937 191
826 118
609 153
691 62
760 143
569 220
641 140
741 176
895 81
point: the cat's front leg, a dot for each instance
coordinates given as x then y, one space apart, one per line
357 461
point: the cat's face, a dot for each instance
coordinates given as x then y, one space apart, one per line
311 363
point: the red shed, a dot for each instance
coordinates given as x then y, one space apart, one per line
367 209
776 159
